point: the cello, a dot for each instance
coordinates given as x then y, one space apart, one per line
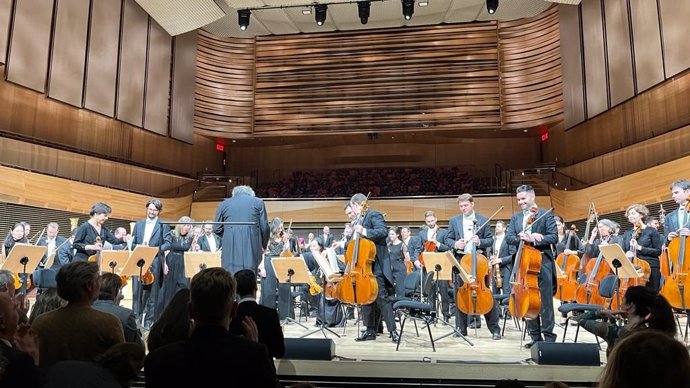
525 297
664 259
358 285
569 264
676 288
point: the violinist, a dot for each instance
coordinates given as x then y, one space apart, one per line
90 236
183 238
412 246
274 295
463 238
574 247
542 235
433 239
16 235
502 255
602 234
373 227
396 255
209 242
643 242
676 223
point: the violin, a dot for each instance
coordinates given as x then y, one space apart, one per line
475 297
427 246
569 265
676 288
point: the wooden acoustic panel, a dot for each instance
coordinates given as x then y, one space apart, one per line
675 16
649 66
30 43
130 88
595 57
5 17
183 81
158 80
571 59
618 49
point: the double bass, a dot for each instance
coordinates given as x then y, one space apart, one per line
676 288
474 297
358 285
569 265
525 297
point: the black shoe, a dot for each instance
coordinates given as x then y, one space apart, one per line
380 329
366 336
496 336
530 344
395 336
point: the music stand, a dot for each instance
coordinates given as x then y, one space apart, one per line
290 270
442 263
140 260
23 259
195 262
326 273
619 263
113 261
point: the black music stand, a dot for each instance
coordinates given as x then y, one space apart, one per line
445 265
290 270
140 260
326 273
22 260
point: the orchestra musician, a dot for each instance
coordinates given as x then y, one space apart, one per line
397 259
277 244
51 240
90 236
434 235
572 247
412 246
181 239
502 255
602 234
373 227
463 238
209 242
542 235
16 235
676 222
647 245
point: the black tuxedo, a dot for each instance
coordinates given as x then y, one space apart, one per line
159 237
543 325
205 245
672 224
64 255
456 232
43 241
325 242
505 253
210 355
20 370
267 324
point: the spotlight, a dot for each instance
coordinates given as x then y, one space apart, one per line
491 6
364 8
320 13
408 9
243 18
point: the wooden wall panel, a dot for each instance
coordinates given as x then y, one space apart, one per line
571 59
595 57
183 83
66 82
619 51
158 80
102 65
675 17
649 66
130 88
30 44
5 17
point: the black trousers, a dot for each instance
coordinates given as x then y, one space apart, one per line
385 305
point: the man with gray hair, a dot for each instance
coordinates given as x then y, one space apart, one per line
242 244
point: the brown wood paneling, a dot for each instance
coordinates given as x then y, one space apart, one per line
5 17
66 82
101 77
530 71
184 81
647 43
595 61
571 59
28 57
618 49
158 80
130 88
675 20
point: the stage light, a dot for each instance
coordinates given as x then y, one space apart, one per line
320 13
408 9
491 6
364 10
243 18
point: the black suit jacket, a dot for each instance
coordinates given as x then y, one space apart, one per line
456 232
327 242
20 370
267 323
160 237
44 243
377 231
671 224
205 246
441 236
210 355
545 226
505 252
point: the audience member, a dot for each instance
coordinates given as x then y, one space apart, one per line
76 331
267 321
212 354
46 301
174 324
647 358
110 285
19 369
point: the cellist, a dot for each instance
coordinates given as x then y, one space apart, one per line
643 242
373 227
542 236
675 223
463 239
433 239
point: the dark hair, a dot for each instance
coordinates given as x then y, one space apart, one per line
559 219
72 279
9 240
395 229
524 188
174 324
246 282
655 307
124 361
647 358
100 208
110 286
501 222
212 295
46 301
155 202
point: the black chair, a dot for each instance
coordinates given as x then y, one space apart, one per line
502 301
607 289
417 310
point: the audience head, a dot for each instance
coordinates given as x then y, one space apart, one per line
46 301
213 297
110 285
9 318
246 283
77 282
654 309
174 323
7 282
647 358
124 361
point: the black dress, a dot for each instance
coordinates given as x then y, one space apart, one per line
85 235
175 280
270 283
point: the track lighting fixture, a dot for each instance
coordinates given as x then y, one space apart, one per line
364 10
320 13
491 6
408 9
243 18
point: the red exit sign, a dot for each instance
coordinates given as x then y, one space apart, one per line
544 136
220 147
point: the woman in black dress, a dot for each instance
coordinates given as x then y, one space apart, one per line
173 266
643 242
90 236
